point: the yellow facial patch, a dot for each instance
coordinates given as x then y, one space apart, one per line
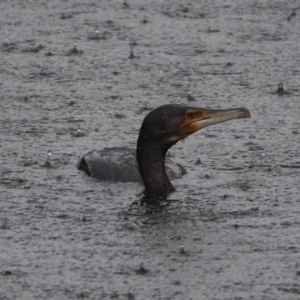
189 124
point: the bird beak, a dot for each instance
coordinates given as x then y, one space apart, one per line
196 119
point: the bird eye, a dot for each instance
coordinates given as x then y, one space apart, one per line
190 114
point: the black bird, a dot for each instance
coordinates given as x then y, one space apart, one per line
161 129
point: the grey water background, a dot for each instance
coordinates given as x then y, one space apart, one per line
230 231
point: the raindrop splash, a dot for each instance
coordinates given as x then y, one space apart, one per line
75 50
141 270
182 251
130 294
96 36
280 90
78 133
131 55
190 97
125 4
145 21
48 162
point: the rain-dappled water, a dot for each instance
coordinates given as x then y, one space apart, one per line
68 85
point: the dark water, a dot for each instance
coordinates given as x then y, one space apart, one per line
231 231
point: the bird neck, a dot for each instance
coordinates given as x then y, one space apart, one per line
151 162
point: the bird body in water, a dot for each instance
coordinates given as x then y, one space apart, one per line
161 129
120 164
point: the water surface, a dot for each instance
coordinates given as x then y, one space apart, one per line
230 231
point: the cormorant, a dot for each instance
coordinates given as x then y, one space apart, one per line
161 129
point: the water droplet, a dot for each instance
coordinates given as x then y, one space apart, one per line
190 97
131 55
145 21
130 294
280 90
78 133
182 251
198 162
142 269
125 4
212 29
74 50
48 163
